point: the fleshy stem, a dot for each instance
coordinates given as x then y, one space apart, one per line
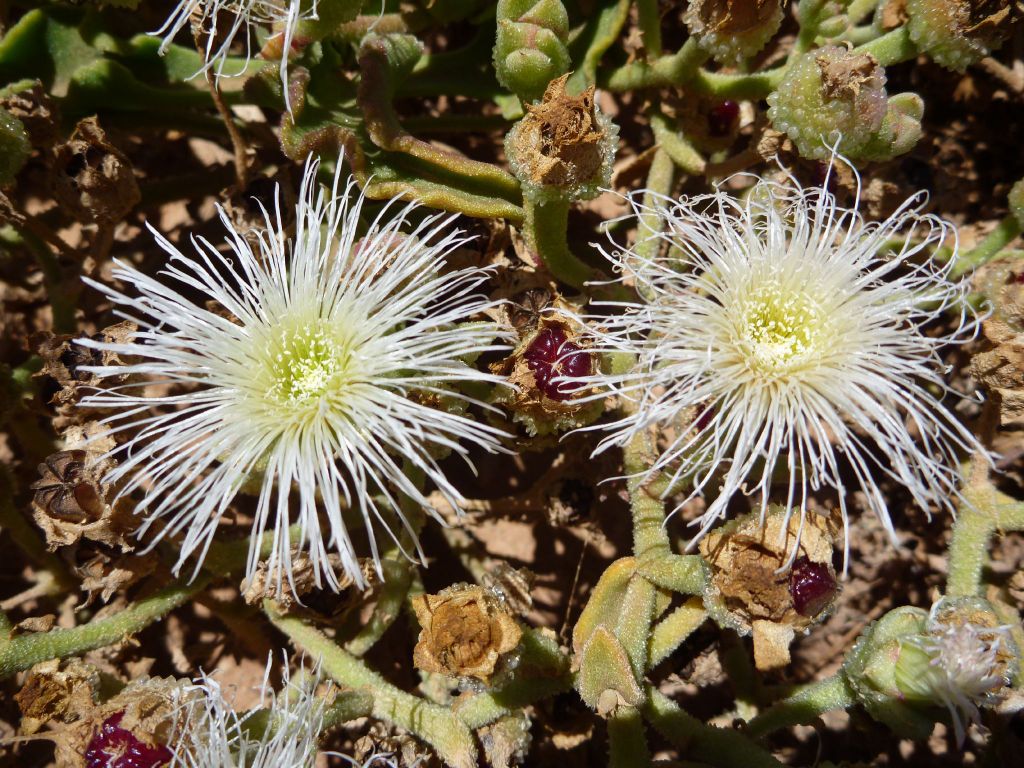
987 249
604 30
436 725
891 48
678 149
674 69
804 706
672 631
984 512
20 653
648 19
545 229
650 540
626 739
716 746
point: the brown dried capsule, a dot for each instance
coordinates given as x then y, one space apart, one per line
71 503
466 632
93 178
65 490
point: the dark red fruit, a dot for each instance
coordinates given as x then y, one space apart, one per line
811 586
722 118
551 356
114 747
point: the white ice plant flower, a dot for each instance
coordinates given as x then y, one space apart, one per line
795 331
227 22
308 369
210 733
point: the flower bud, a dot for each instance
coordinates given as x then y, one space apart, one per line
563 147
870 670
733 30
530 48
14 147
958 33
752 591
830 95
900 129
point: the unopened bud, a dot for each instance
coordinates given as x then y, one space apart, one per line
530 48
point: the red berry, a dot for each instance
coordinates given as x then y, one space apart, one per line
811 586
114 747
722 118
551 356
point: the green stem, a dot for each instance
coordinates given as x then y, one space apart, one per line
436 725
650 540
627 740
756 85
397 579
891 48
685 574
983 513
545 229
997 240
705 743
60 295
543 672
858 10
803 707
678 149
648 19
24 651
675 69
602 31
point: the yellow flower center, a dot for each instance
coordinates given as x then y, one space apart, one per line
306 362
782 328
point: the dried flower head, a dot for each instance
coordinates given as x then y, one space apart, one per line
466 632
796 329
314 373
963 660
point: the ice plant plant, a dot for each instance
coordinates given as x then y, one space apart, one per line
316 373
799 327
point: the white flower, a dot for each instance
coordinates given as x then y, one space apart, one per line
226 21
966 668
797 331
309 366
211 734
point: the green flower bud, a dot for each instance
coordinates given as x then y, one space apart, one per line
900 131
1016 200
870 669
14 147
830 95
957 33
733 31
530 48
563 148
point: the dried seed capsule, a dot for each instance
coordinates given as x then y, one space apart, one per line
466 632
93 178
733 30
564 147
958 33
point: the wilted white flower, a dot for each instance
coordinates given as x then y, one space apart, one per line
312 365
796 330
961 666
210 733
225 22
